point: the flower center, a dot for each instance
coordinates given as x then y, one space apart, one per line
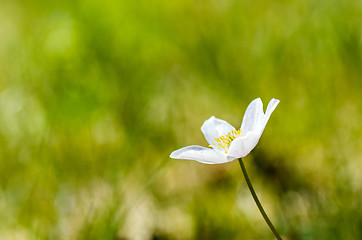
223 142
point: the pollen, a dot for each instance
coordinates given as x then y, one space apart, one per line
223 142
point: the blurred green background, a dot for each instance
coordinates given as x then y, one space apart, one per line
95 95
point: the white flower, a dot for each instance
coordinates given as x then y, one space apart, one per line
227 143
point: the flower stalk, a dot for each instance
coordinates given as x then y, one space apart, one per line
265 216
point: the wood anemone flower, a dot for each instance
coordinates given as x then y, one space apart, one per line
225 142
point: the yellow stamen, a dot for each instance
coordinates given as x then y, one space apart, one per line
223 142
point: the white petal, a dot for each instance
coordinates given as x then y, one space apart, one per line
214 128
200 154
240 147
271 107
253 116
254 121
269 110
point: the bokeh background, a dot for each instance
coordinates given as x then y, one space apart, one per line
94 95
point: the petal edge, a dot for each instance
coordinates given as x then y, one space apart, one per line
199 154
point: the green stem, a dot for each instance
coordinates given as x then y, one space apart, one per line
266 218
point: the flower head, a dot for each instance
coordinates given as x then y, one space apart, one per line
225 142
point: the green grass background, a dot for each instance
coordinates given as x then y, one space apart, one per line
94 95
